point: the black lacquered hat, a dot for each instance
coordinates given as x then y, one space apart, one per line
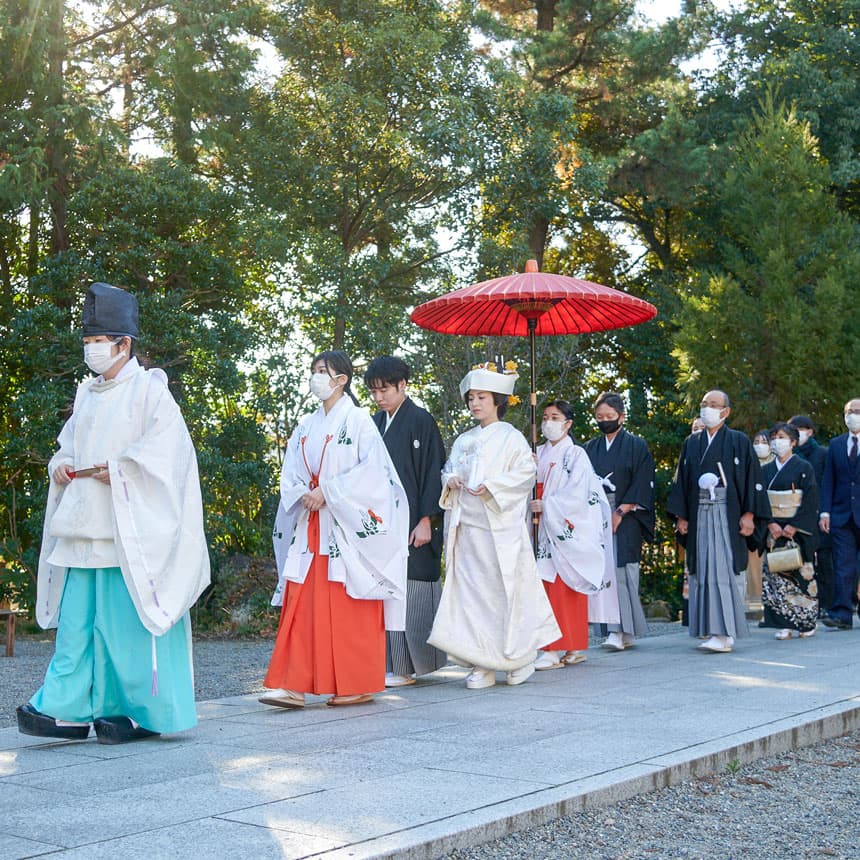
111 311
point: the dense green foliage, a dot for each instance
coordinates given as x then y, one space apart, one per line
275 177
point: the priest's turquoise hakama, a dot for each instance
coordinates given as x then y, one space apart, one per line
107 664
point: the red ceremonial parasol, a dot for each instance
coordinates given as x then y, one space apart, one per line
532 303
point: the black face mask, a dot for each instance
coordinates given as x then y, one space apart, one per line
608 427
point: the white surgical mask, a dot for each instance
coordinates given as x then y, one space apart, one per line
320 384
804 436
781 447
553 430
710 416
852 422
98 358
762 449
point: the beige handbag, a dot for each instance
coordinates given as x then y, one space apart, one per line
784 559
784 504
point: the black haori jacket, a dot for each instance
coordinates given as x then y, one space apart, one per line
418 452
630 466
745 490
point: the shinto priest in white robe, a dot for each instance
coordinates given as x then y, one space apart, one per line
148 521
494 612
364 524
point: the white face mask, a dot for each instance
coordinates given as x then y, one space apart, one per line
553 430
98 358
804 436
710 416
320 385
762 449
781 447
852 422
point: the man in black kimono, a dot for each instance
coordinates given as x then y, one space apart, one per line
721 507
416 448
624 464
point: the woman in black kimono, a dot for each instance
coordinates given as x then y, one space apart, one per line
625 466
791 597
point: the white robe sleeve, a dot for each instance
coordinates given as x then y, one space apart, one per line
370 520
155 488
513 480
574 525
50 577
294 484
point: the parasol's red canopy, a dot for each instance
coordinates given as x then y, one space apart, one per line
560 304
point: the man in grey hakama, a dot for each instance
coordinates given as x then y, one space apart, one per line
418 453
720 504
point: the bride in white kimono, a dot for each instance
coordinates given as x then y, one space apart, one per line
494 613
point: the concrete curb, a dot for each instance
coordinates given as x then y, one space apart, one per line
466 830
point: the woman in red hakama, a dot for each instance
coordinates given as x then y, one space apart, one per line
329 642
570 550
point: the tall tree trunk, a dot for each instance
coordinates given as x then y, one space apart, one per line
546 14
538 225
339 335
8 241
341 301
538 233
127 102
183 108
56 154
33 239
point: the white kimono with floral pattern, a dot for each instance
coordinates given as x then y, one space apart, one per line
575 530
364 525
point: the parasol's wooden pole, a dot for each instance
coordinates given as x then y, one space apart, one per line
532 324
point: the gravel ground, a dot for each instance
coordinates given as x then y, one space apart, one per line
222 667
796 806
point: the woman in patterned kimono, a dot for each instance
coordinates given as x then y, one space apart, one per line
341 548
791 597
574 545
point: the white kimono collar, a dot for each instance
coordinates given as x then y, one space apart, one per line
129 369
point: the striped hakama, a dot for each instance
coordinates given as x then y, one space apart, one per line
716 601
407 652
633 620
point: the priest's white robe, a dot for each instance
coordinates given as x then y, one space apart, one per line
148 521
494 612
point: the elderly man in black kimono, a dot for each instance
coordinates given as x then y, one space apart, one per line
624 464
721 506
418 452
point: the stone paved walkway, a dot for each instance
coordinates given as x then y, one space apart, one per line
427 768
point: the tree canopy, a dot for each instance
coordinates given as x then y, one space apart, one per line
276 178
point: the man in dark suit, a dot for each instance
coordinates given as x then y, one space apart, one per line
418 452
840 515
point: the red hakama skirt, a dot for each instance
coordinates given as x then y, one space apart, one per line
571 612
327 642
